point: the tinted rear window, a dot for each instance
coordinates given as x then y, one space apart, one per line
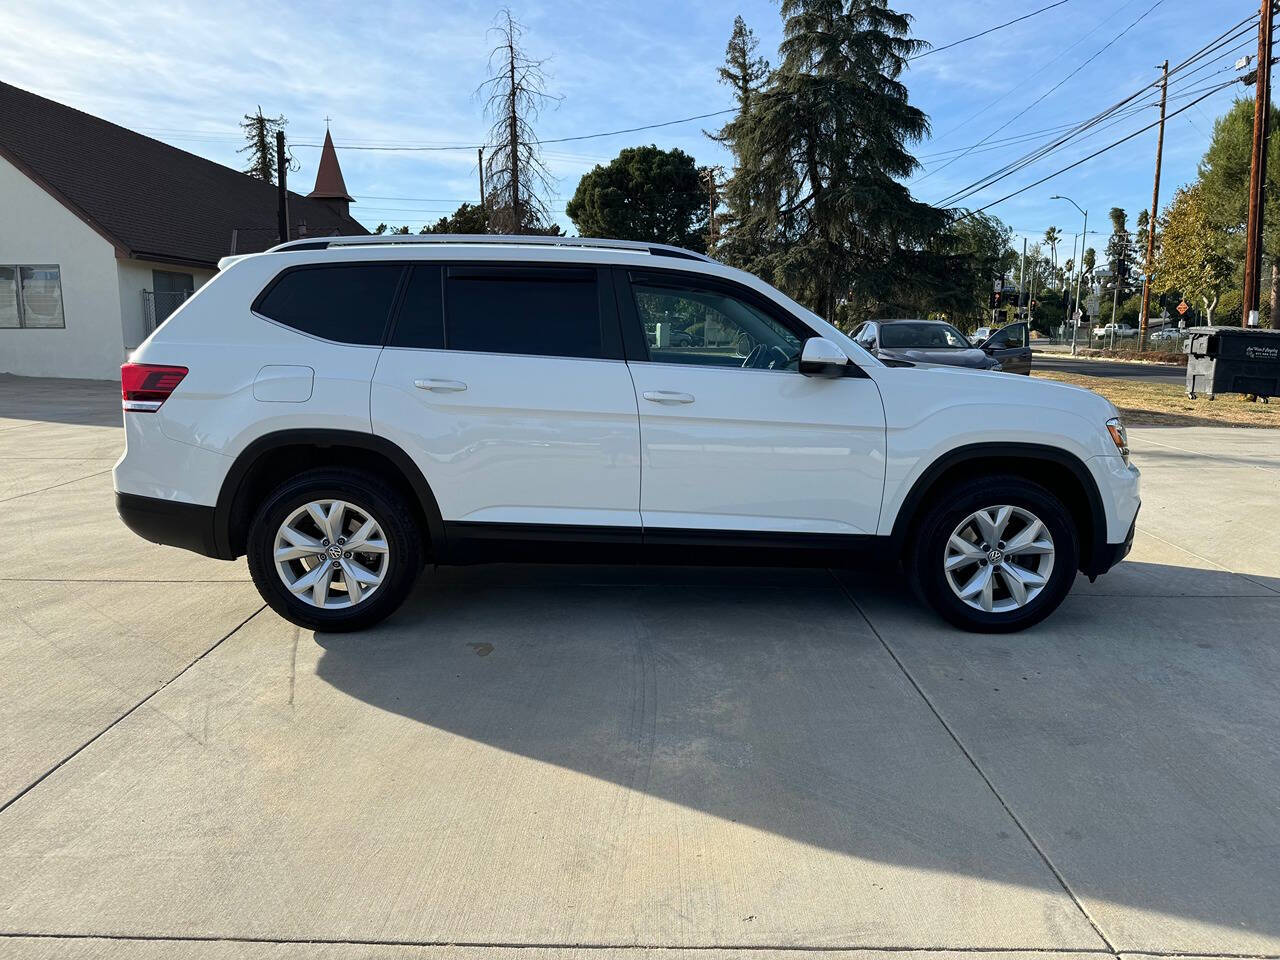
347 303
420 322
550 312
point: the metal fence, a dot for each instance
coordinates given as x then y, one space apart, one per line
157 305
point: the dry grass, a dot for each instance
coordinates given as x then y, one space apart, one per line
1142 402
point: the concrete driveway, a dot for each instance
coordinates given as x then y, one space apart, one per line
596 762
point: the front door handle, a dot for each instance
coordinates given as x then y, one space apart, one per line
440 386
667 396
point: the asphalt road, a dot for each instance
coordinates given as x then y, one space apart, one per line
1162 372
633 763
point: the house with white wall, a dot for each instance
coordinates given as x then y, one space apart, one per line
103 232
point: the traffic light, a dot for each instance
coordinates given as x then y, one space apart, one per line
995 300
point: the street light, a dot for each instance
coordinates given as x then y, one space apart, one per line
1079 267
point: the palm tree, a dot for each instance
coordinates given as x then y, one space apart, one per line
1051 237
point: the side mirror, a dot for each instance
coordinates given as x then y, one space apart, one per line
821 358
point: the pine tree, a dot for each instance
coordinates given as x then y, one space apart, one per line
741 240
828 138
260 134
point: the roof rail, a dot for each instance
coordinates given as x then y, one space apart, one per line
490 239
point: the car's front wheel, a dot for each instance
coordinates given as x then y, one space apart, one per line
334 550
995 554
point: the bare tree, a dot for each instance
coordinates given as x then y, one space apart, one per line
515 177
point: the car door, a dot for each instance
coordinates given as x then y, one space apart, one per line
733 437
1011 346
506 385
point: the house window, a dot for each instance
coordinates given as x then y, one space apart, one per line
31 296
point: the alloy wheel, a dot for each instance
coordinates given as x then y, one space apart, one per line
331 554
998 559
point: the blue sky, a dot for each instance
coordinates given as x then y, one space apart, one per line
405 73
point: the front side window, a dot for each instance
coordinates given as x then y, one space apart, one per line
348 303
708 327
31 296
537 311
1010 337
923 335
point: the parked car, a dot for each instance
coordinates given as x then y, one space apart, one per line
343 411
981 334
1121 330
921 341
1166 335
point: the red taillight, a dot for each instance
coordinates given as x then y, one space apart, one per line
144 386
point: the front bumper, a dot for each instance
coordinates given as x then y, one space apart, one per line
1107 555
174 524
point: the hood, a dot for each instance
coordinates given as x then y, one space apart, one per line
948 357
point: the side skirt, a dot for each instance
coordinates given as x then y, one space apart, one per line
470 543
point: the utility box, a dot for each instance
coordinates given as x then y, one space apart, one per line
1233 360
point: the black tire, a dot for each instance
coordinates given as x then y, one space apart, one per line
365 491
949 508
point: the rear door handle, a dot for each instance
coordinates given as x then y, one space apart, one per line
667 396
440 386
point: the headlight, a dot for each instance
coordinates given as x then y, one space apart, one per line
1119 436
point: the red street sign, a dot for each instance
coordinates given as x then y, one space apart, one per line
1182 307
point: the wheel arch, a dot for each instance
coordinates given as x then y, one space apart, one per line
1060 471
281 454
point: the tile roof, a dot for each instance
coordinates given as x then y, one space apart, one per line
151 200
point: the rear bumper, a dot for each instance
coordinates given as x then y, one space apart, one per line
174 524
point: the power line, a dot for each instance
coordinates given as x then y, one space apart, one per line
1046 150
975 36
1096 153
585 136
1042 96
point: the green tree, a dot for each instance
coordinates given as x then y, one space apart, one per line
645 193
828 141
1120 254
1089 262
469 218
970 254
1193 257
1053 236
742 227
1224 176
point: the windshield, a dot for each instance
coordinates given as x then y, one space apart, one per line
924 335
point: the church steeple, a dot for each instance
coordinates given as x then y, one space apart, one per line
329 183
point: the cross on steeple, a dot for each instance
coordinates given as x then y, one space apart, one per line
326 122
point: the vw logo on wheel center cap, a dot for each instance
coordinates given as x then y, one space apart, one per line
995 556
335 552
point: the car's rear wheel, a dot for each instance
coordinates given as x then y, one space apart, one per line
334 550
995 554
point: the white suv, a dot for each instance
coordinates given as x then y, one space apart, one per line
346 410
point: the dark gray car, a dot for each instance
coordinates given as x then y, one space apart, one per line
922 341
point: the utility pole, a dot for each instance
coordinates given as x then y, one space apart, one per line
1144 320
1084 240
1031 295
483 208
282 176
712 202
1257 170
1022 266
